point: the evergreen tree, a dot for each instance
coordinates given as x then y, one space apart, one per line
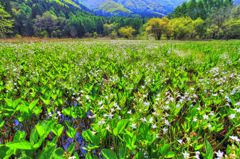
6 24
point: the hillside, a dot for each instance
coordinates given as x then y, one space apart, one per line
132 7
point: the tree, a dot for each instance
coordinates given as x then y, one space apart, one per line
200 8
127 32
23 19
232 29
182 28
6 24
157 27
48 25
110 28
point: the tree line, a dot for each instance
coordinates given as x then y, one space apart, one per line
50 19
202 19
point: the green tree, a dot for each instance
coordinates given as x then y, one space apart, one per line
110 28
50 25
231 28
127 32
6 24
157 27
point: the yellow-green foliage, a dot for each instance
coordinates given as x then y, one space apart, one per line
127 32
177 28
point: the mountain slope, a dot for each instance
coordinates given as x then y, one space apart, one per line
132 7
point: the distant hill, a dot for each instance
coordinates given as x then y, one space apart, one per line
148 8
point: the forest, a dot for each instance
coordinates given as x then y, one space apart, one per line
203 19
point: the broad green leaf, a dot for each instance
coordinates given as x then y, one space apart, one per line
170 154
22 145
71 132
109 154
120 127
209 150
164 149
58 129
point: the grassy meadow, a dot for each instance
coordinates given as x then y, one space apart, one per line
119 99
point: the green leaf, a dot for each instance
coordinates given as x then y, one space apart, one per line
34 136
209 150
58 129
109 154
23 145
88 136
120 127
122 152
88 156
164 149
71 132
71 148
58 154
44 128
20 135
170 154
2 123
33 104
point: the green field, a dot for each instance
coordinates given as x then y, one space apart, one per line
120 99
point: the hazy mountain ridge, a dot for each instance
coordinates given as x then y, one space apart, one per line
132 7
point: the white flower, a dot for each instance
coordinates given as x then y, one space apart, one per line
171 99
166 107
209 126
165 130
115 104
87 97
211 113
180 141
101 122
186 155
205 117
154 126
237 104
219 154
134 126
100 102
73 157
167 123
155 113
195 119
129 112
118 108
197 156
232 116
143 119
146 104
110 116
215 95
228 99
50 114
166 114
92 117
59 113
234 138
237 110
151 120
